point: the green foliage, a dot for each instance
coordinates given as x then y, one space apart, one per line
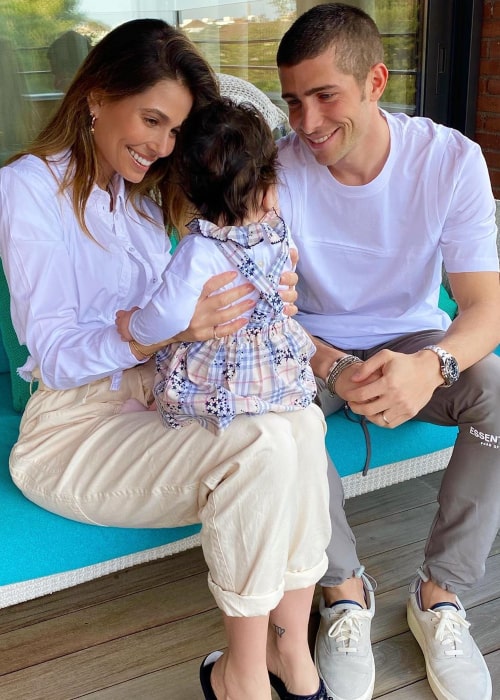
245 49
35 23
396 16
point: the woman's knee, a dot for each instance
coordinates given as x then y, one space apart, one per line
277 449
297 437
309 430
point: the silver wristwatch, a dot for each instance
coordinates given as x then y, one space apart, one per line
449 366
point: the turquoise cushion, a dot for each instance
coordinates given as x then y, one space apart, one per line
4 360
346 444
446 303
26 530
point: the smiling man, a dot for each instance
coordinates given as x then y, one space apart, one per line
377 202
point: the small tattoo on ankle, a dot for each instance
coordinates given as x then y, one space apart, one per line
280 631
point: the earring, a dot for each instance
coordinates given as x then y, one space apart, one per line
92 122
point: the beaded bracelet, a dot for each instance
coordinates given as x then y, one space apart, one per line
336 370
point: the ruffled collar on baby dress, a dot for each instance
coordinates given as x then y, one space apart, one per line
271 227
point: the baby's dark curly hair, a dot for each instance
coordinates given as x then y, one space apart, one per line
227 160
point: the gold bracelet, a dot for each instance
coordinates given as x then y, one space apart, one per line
134 346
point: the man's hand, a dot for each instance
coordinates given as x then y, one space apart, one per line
122 320
390 388
345 385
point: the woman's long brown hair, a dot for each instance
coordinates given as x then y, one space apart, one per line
127 61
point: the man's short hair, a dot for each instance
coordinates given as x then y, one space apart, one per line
353 34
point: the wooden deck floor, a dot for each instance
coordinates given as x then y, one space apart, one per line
140 634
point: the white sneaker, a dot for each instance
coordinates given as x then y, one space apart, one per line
343 652
456 669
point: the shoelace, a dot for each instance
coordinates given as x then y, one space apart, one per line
347 630
449 630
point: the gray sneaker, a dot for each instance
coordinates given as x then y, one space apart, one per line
343 652
456 669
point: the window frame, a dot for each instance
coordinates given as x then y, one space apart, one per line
449 76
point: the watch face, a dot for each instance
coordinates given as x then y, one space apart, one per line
449 366
450 370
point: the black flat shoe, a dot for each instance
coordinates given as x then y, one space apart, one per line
205 673
283 693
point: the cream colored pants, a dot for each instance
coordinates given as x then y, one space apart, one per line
260 489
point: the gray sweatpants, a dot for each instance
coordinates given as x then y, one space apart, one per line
468 517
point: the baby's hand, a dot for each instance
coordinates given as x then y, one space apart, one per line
122 321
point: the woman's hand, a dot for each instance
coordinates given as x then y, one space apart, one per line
217 315
290 279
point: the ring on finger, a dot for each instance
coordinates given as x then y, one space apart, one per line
216 337
384 418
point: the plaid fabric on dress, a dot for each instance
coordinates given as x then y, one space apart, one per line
263 367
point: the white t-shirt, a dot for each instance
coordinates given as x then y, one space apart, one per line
370 256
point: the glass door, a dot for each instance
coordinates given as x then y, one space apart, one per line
431 47
242 39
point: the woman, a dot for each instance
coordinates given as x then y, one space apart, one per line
81 237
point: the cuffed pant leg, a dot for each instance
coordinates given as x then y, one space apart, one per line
468 518
273 537
246 513
311 527
341 550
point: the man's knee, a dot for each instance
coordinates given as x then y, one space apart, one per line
480 386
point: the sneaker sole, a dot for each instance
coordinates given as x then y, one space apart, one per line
366 696
436 687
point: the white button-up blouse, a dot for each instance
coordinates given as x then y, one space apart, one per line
66 288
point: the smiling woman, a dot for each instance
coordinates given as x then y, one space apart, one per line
133 133
140 80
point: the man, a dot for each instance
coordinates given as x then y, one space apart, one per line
376 203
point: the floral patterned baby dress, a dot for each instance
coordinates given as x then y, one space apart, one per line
262 367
